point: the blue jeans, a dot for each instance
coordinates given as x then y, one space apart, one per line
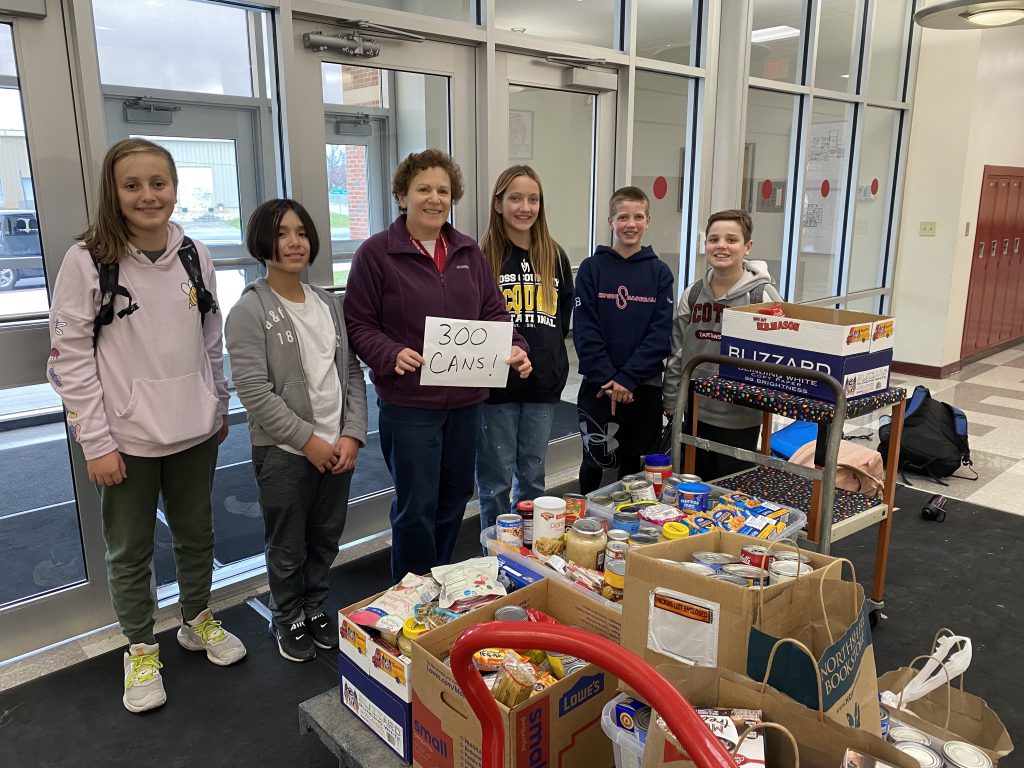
510 453
430 455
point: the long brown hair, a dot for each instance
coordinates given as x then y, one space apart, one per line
543 249
107 237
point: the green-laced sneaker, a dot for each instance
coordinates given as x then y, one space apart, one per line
143 686
204 633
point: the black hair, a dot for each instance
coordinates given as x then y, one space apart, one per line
261 232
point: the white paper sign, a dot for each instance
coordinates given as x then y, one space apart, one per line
465 353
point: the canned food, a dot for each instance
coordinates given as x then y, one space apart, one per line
699 568
788 554
673 531
511 613
510 530
885 718
754 576
782 571
525 509
626 521
714 560
689 479
604 500
585 543
614 550
618 534
755 554
925 756
629 481
669 495
642 722
728 578
693 497
643 538
960 754
642 490
615 573
906 734
548 526
575 508
620 497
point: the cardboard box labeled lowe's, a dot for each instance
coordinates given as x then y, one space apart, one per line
671 614
559 727
854 348
375 684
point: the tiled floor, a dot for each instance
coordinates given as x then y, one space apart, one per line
989 392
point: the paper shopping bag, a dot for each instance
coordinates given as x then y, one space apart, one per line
822 741
969 718
829 618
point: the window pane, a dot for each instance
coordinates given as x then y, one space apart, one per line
456 10
353 86
659 155
664 31
40 541
767 174
822 211
141 44
777 40
553 131
22 281
208 206
560 19
871 206
888 49
836 57
870 304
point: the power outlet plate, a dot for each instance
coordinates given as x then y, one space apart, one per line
927 229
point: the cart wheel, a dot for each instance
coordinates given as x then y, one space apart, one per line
874 617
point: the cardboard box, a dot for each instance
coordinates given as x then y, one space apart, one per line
855 348
671 614
375 684
558 727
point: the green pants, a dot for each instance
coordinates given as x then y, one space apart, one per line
184 480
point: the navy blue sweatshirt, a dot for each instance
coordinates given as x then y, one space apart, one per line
622 322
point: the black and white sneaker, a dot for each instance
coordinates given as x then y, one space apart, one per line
324 631
294 642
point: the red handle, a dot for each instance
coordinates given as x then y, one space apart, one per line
695 737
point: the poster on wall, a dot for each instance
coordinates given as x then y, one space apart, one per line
823 178
520 134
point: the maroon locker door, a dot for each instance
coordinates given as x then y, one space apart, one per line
1017 259
1009 265
989 310
979 266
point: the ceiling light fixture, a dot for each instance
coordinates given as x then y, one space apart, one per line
768 34
971 14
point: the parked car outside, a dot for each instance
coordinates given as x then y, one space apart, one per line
21 255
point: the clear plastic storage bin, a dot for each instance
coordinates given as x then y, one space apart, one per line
794 523
629 752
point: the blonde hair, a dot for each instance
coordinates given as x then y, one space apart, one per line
108 238
543 249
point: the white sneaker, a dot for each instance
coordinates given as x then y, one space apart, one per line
143 686
204 633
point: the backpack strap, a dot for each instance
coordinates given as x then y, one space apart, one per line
189 256
694 294
109 288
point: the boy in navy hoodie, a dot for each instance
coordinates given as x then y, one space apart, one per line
622 330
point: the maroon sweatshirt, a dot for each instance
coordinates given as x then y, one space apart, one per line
392 288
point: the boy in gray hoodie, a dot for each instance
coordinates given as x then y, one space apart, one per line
731 281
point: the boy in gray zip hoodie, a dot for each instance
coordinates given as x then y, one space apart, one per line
731 281
305 397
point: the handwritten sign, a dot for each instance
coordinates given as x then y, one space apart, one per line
465 353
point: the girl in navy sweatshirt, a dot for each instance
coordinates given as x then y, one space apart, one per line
535 279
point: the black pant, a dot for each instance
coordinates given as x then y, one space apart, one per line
304 516
616 445
711 466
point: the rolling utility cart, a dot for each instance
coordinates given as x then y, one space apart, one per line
832 513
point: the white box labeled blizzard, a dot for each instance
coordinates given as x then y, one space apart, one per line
854 348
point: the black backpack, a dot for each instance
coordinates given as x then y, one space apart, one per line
934 440
109 288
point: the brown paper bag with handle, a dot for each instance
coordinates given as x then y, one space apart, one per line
949 713
823 741
830 618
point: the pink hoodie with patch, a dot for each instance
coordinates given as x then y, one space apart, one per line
154 385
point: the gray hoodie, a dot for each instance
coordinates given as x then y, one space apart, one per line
697 330
269 377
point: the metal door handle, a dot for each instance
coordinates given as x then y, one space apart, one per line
1006 246
981 250
1016 246
994 244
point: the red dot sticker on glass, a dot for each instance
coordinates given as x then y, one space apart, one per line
766 188
660 187
874 186
825 188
